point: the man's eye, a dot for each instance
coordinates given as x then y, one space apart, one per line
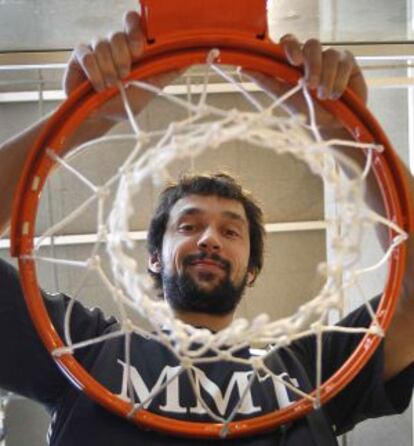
186 227
232 233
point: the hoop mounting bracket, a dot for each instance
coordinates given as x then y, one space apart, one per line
165 19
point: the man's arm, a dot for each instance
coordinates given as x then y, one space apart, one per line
14 152
399 348
102 63
330 72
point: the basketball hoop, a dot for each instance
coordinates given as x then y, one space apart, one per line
179 36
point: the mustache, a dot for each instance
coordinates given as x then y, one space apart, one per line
223 263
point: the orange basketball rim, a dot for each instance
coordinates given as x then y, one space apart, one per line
180 34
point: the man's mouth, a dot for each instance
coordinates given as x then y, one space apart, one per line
210 265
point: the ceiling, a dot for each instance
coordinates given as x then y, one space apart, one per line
44 25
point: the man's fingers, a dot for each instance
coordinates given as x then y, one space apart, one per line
312 51
344 71
357 81
107 60
73 76
85 57
134 34
121 55
103 55
329 73
292 49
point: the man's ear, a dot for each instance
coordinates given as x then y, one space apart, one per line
251 277
154 263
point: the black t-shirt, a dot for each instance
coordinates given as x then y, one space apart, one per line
28 369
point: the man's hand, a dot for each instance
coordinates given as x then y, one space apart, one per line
105 61
328 71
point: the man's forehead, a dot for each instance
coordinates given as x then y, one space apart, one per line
208 204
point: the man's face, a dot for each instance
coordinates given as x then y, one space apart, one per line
205 254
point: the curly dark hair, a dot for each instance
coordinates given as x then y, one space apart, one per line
219 184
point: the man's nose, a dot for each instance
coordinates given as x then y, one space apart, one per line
209 240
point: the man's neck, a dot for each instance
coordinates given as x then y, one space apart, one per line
210 321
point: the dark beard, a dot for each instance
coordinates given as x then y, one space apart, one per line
184 294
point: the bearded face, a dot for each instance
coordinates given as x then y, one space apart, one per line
202 292
205 255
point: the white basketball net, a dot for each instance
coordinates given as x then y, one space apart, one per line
208 127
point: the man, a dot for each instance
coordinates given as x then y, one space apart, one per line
205 244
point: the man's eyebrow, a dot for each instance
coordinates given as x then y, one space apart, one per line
197 211
234 216
189 211
183 213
